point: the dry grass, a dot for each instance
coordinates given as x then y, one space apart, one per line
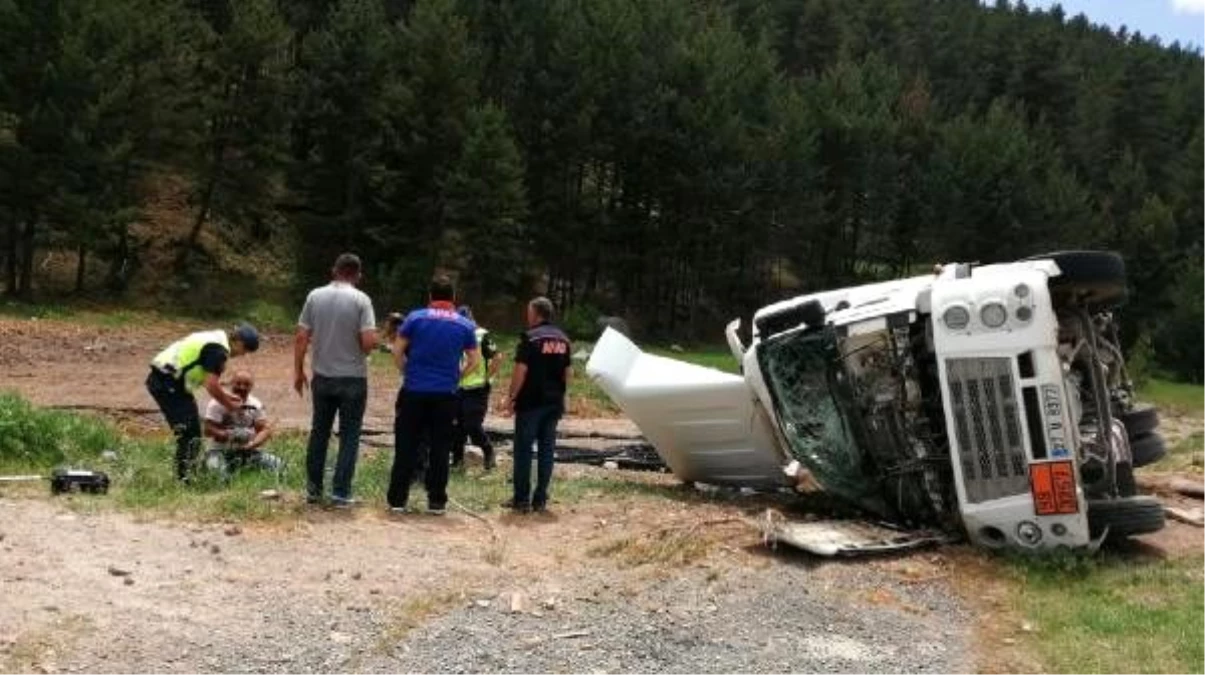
673 546
414 612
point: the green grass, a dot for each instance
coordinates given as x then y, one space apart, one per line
34 441
1187 455
1179 397
1113 613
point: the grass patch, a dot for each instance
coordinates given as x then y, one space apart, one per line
675 548
34 441
1113 613
1180 398
413 613
1186 455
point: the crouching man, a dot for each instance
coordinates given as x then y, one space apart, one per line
239 434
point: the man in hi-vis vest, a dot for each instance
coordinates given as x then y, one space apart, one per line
186 365
475 398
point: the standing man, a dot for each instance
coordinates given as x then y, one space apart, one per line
475 397
538 398
434 349
187 364
338 323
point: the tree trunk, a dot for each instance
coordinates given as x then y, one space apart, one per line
10 258
81 268
25 280
194 234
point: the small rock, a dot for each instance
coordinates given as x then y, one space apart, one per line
1 536
50 608
192 544
538 614
610 466
1009 641
483 603
269 495
518 603
549 604
109 456
128 581
357 576
1027 627
340 638
233 530
215 549
118 572
375 591
676 348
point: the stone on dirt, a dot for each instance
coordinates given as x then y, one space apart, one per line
118 571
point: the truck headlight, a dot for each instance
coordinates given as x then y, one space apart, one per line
1029 533
1021 291
1024 313
956 318
993 315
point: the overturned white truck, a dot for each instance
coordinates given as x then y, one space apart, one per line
991 400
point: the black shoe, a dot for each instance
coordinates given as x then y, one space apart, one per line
540 507
490 463
517 507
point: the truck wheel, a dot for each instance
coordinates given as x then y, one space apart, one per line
1147 449
1125 517
1094 278
1142 419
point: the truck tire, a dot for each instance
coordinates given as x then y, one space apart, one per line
1125 517
1147 449
1094 278
1140 420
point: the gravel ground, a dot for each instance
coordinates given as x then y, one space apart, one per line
359 592
785 618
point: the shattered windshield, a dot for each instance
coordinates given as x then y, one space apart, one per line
804 375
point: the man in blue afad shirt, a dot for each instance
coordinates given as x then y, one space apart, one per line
428 351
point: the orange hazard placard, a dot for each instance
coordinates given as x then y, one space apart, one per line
1053 487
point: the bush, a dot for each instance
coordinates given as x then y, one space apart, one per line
32 436
581 322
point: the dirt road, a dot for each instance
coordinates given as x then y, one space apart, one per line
361 592
62 363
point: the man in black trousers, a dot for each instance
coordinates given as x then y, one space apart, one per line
434 348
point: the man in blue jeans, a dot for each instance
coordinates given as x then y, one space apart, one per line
433 349
339 326
537 396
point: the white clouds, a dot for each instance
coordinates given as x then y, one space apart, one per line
1188 6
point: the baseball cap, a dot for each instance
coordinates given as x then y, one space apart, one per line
246 334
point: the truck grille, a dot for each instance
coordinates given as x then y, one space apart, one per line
987 428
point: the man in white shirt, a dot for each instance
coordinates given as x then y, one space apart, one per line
237 435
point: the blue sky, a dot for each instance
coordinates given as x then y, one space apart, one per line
1182 20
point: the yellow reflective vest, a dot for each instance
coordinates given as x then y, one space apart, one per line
479 376
182 358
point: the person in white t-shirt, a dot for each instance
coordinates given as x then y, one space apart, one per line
237 436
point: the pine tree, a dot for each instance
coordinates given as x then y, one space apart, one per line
484 209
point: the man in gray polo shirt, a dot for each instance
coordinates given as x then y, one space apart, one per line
338 324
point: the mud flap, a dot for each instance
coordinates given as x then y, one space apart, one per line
846 538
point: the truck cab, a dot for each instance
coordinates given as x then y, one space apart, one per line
988 400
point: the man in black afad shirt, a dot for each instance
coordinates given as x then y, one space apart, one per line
537 396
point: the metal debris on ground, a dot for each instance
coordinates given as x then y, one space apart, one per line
1194 517
831 538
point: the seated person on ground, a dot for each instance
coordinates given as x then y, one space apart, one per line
238 435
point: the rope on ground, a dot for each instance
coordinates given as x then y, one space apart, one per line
476 516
